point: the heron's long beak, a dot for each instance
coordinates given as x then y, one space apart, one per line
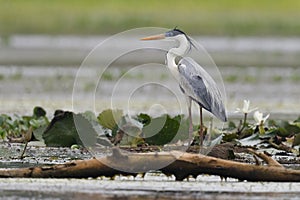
154 37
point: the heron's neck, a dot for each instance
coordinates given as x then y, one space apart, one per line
181 50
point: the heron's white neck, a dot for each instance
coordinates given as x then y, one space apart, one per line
181 50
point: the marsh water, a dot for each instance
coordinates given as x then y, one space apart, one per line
47 71
51 72
153 186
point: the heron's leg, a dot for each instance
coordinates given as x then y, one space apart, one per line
201 128
189 104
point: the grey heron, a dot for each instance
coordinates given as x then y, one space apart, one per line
196 84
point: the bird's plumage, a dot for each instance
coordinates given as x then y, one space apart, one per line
197 84
194 81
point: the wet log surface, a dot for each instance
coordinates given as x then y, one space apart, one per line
180 164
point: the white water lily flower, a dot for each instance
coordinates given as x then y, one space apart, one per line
245 108
258 117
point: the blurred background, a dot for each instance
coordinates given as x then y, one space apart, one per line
255 44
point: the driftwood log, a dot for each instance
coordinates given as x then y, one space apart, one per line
180 164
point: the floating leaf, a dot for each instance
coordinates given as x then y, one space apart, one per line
283 132
36 123
89 115
297 120
296 140
231 125
144 118
39 112
246 133
88 129
252 140
61 131
131 130
161 130
130 126
292 129
68 128
230 137
2 133
182 133
38 133
109 118
285 128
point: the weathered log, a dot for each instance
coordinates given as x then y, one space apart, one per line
180 164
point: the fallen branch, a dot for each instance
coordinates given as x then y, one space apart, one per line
180 164
267 159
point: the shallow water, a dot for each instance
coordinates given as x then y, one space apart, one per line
152 186
273 89
71 50
265 70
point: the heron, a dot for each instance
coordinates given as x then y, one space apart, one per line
195 83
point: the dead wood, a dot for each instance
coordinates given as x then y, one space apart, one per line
269 160
180 164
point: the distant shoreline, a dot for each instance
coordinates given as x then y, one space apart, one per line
225 51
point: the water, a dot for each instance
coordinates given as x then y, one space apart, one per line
33 72
152 186
273 89
71 50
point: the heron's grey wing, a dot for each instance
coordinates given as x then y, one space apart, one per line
194 87
199 85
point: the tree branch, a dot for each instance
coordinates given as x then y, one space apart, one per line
180 164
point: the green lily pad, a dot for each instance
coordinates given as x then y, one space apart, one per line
161 130
230 137
296 140
61 131
38 112
68 128
109 118
144 118
38 132
231 125
285 128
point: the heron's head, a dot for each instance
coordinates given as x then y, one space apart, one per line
174 34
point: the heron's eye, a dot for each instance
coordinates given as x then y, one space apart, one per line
169 34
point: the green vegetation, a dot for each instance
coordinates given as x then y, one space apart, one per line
2 77
277 78
17 126
17 75
232 78
112 127
295 77
222 17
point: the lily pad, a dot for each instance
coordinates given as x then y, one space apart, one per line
39 112
230 137
252 140
296 140
144 118
285 128
68 128
61 131
109 118
161 130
